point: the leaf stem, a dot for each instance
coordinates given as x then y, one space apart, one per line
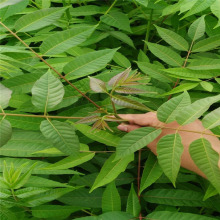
148 30
41 58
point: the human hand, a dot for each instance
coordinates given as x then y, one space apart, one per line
188 133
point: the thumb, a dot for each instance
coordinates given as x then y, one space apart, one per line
128 128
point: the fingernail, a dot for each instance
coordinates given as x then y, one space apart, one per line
123 127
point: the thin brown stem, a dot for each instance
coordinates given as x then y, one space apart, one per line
43 60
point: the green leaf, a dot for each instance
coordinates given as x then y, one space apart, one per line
133 206
154 71
97 85
207 44
167 215
47 92
168 111
111 200
169 152
122 37
5 96
117 19
129 103
72 161
7 214
5 132
62 135
110 170
5 3
53 211
173 39
212 119
62 41
205 64
152 171
88 63
135 140
207 86
85 10
191 112
215 8
197 28
206 159
100 136
121 60
142 2
5 193
38 19
29 191
45 197
166 54
210 191
181 88
176 197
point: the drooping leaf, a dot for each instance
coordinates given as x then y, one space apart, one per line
212 119
154 71
197 28
175 40
129 103
85 10
5 95
152 171
206 158
5 132
191 112
62 135
166 54
168 215
122 37
38 19
133 206
215 8
117 19
62 41
210 191
111 200
168 111
47 92
89 63
97 85
53 211
135 140
207 44
111 169
169 152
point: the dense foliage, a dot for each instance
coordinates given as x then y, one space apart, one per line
140 56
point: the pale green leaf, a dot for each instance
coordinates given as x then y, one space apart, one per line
89 63
117 19
72 161
168 111
207 44
29 191
166 54
173 39
62 135
207 86
47 92
5 132
169 152
62 41
135 140
5 3
154 71
129 103
210 191
121 60
206 159
4 193
111 169
133 206
111 200
100 136
53 211
191 112
38 19
142 57
206 64
215 8
197 28
85 10
5 95
152 171
168 215
212 119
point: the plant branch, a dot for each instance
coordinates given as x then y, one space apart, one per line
41 58
148 30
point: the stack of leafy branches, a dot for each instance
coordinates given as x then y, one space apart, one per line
52 165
